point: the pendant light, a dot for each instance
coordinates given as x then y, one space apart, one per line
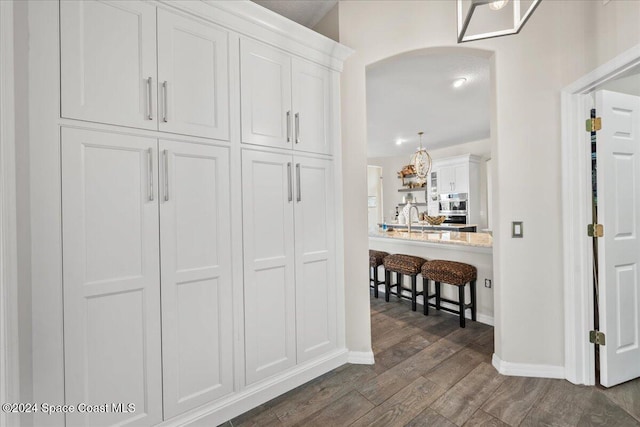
491 21
421 161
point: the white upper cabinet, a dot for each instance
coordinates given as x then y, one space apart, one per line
454 178
111 276
269 263
109 76
286 102
265 74
197 318
193 77
311 107
315 258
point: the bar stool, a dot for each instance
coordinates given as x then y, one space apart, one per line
375 260
402 265
453 273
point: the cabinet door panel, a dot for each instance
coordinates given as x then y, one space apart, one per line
105 73
311 106
193 61
315 255
461 184
197 340
269 280
266 95
111 276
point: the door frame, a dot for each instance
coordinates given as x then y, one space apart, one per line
576 214
9 358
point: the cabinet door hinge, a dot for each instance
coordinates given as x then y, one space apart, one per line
595 230
593 125
596 337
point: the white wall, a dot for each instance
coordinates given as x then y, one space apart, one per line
530 69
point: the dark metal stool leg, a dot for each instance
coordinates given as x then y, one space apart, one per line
473 300
425 295
375 282
399 285
461 303
387 285
414 286
437 295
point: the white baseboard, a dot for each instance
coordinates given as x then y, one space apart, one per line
256 394
361 357
482 318
527 369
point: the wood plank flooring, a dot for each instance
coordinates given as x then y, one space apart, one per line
430 372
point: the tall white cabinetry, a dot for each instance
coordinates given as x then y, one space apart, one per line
189 172
459 174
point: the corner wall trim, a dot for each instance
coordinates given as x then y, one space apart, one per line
527 369
361 357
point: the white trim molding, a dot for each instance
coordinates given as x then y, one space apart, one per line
527 369
361 357
9 360
576 206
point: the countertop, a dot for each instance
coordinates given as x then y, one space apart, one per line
421 225
479 240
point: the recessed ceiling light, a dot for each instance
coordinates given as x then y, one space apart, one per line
398 141
459 82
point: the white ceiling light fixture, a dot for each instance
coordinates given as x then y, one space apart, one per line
398 141
459 82
421 161
484 19
498 4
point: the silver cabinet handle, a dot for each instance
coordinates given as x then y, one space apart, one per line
150 174
299 197
165 154
288 126
289 181
165 104
297 128
150 105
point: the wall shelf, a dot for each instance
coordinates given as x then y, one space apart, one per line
409 190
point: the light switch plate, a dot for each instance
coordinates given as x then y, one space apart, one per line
516 229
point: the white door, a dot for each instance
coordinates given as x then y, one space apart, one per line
197 318
446 178
193 74
269 280
265 75
311 107
315 255
111 276
619 250
108 76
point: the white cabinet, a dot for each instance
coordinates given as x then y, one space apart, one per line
286 102
193 77
114 77
265 74
108 76
290 284
111 276
454 179
269 277
137 242
197 338
315 258
311 107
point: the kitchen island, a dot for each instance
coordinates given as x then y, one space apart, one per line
471 248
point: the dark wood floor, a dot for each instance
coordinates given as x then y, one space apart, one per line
429 372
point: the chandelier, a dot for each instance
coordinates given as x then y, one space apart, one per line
421 161
484 19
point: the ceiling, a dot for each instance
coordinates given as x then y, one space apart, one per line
415 92
304 12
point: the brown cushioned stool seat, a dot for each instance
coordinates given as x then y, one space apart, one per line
452 273
402 265
376 259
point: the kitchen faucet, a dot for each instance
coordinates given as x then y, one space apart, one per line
409 217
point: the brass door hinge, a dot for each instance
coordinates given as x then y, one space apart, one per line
596 337
595 230
594 125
